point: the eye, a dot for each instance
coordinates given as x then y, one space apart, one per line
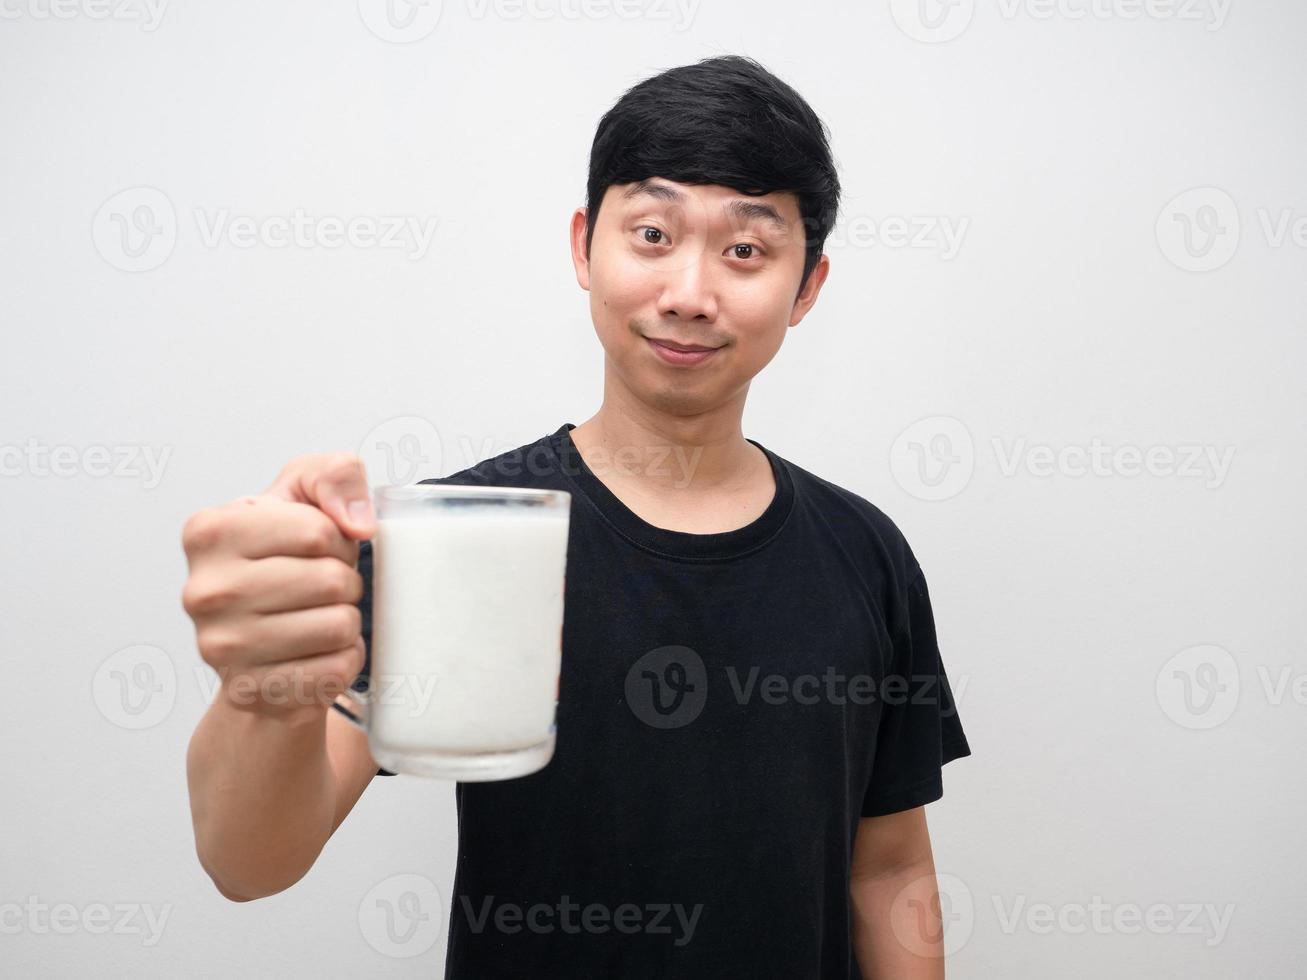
652 235
744 250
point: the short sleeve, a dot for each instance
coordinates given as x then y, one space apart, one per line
365 609
919 730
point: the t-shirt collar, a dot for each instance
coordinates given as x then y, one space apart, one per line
675 544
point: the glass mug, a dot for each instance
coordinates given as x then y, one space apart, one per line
467 622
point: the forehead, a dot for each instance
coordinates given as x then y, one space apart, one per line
715 202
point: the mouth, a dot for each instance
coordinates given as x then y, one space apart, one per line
681 354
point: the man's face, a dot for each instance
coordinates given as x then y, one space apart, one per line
693 265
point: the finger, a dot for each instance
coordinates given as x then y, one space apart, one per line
283 584
336 484
318 679
275 584
269 526
295 633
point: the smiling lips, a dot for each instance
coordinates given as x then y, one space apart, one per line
681 354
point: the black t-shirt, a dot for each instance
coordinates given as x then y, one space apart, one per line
730 705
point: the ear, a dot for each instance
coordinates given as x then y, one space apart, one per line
808 295
579 259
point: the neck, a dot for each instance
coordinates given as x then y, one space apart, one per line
629 442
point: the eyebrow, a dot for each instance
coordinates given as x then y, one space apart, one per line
743 210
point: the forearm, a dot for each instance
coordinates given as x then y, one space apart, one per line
897 929
262 797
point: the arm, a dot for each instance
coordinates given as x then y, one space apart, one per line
272 770
897 928
267 793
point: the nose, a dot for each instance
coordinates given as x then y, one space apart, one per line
688 292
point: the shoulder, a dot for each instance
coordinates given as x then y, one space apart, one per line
860 525
532 464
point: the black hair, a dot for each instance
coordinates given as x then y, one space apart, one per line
725 120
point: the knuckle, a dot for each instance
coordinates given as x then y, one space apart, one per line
344 666
344 584
190 598
340 466
219 647
343 624
201 598
357 654
202 530
296 465
319 536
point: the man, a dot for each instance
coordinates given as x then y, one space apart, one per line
753 711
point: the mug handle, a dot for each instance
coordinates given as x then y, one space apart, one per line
355 706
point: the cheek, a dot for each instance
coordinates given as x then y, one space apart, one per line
759 309
621 290
621 280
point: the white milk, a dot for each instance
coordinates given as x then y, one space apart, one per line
466 629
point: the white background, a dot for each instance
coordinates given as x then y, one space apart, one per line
1073 312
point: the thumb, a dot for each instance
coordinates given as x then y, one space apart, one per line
336 484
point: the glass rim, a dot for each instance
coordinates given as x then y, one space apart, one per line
415 492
